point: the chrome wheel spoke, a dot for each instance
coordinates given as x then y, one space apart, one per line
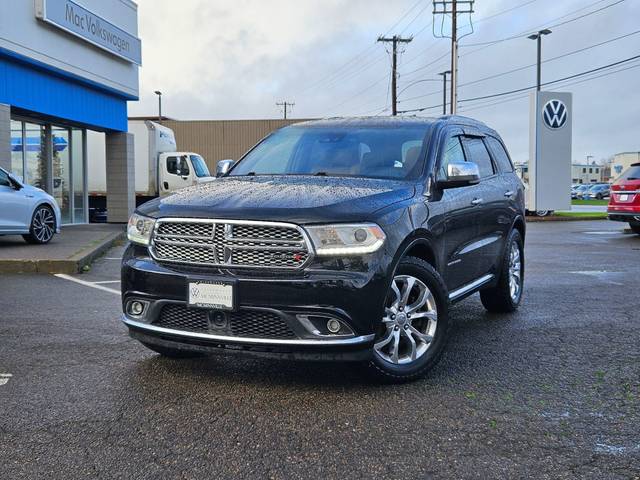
412 344
395 347
395 289
429 314
406 291
423 337
423 298
385 341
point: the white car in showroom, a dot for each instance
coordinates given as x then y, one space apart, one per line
27 210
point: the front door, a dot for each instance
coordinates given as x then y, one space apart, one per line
15 214
175 173
460 218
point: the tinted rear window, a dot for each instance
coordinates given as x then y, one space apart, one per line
632 173
479 155
500 155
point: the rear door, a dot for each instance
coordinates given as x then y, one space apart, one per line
493 212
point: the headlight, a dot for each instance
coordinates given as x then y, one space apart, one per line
352 239
140 228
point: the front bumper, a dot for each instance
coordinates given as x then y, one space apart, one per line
352 292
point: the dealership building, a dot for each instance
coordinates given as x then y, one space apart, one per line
67 67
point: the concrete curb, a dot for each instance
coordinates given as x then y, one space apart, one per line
74 264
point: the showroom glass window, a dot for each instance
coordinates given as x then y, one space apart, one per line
77 169
35 155
62 171
17 150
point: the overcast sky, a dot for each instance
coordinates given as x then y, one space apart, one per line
234 59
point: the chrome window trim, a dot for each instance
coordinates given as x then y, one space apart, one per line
213 221
248 340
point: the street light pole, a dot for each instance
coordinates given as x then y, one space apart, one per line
159 93
444 91
538 38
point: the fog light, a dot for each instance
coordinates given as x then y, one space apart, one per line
333 325
136 308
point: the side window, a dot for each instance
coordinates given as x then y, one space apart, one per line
500 155
479 155
4 180
452 153
177 166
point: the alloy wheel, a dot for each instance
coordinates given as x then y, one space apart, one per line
410 321
515 272
43 224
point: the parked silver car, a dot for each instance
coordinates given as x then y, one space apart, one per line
27 210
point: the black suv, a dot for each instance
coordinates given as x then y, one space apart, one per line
339 239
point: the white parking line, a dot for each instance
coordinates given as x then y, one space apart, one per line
113 258
101 282
86 284
4 378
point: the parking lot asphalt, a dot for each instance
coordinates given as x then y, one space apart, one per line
552 391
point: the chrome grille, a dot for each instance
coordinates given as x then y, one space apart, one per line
243 323
227 243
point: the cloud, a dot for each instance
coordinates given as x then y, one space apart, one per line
235 59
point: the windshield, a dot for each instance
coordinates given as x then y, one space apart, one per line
200 166
341 151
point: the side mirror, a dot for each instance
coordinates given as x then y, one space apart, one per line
460 174
223 167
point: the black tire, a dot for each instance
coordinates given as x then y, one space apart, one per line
172 352
385 371
599 196
36 235
498 299
635 227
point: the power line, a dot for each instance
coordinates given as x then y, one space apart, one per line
524 32
520 96
491 77
523 89
497 75
356 59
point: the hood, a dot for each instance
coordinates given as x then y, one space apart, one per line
298 199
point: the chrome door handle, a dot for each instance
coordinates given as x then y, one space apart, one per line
476 201
509 193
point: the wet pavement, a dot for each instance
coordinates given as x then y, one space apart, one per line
552 391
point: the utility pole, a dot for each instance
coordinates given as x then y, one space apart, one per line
285 104
444 91
538 38
452 7
394 68
159 94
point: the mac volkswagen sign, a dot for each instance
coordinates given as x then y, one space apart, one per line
555 114
78 21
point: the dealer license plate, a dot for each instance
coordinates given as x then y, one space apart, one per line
211 294
623 198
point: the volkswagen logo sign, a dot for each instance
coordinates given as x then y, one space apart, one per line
555 114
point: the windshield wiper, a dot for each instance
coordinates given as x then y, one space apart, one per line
320 174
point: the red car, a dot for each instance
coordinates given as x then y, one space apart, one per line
624 203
